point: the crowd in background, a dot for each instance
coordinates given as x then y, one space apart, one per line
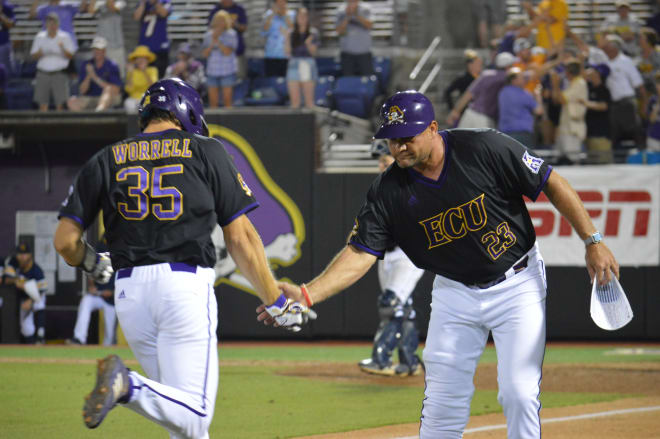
112 79
549 88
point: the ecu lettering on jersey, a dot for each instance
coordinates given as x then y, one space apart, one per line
456 222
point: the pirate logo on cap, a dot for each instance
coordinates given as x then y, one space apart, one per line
395 115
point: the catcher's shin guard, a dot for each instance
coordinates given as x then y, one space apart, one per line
386 341
408 346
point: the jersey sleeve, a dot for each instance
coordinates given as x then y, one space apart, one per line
39 276
521 171
233 197
11 267
369 232
83 202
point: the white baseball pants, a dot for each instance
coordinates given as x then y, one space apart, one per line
398 274
461 317
26 318
169 317
88 304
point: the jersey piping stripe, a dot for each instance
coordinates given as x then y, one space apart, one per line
542 185
169 398
208 345
73 217
445 169
156 133
367 249
247 209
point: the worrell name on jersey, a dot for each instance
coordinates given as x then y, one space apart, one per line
161 195
471 224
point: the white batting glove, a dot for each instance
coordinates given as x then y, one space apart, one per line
98 265
289 314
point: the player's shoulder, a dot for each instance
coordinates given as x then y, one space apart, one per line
36 272
388 180
474 139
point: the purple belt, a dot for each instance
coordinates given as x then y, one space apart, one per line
174 266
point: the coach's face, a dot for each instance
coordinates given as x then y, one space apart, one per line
413 151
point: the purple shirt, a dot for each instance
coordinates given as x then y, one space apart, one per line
8 11
484 91
66 12
239 16
653 130
516 107
109 72
153 30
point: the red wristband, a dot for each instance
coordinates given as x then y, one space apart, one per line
303 288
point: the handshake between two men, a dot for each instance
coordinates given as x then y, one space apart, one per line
288 311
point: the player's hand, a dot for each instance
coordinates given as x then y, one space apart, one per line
288 313
20 284
98 265
26 305
600 262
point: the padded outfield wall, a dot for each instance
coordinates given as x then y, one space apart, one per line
305 217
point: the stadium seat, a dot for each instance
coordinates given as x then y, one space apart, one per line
354 95
644 158
255 68
19 93
241 89
27 69
323 91
383 70
328 66
268 91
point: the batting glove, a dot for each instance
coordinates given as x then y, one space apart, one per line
290 314
98 265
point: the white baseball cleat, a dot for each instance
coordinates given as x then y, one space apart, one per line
370 366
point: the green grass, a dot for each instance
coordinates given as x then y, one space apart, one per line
45 399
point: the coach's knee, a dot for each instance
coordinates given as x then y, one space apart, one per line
518 395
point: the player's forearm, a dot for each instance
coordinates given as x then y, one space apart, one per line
345 269
68 242
568 203
247 250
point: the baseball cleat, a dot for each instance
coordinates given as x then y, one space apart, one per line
112 384
403 370
370 366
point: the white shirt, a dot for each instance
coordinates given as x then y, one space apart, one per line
53 58
624 77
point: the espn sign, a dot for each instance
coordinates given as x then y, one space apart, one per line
623 203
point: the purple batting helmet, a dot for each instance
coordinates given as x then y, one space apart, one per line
405 114
180 99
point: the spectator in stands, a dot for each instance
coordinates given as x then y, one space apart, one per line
7 21
65 12
648 62
109 26
654 20
549 17
139 76
623 82
99 83
239 22
572 130
473 66
624 24
302 73
483 92
4 78
491 16
653 131
354 27
517 108
52 48
219 48
152 14
278 22
514 29
599 144
187 68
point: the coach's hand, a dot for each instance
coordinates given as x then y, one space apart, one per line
98 265
600 263
285 312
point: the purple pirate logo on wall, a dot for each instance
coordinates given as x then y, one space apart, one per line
277 219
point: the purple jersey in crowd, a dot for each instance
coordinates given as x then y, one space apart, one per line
485 89
516 107
109 72
7 11
153 30
238 14
66 12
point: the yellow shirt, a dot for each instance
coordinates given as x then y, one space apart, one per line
137 83
558 9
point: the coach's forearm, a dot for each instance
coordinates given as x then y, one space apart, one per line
568 203
68 241
345 269
247 250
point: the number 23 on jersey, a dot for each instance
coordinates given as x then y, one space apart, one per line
150 194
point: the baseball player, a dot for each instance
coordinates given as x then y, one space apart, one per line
29 280
398 328
161 193
454 204
99 296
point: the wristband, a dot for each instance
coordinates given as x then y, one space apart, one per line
303 288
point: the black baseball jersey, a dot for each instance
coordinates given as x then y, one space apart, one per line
161 195
34 272
471 224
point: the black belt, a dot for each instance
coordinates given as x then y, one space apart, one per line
520 266
174 266
51 73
